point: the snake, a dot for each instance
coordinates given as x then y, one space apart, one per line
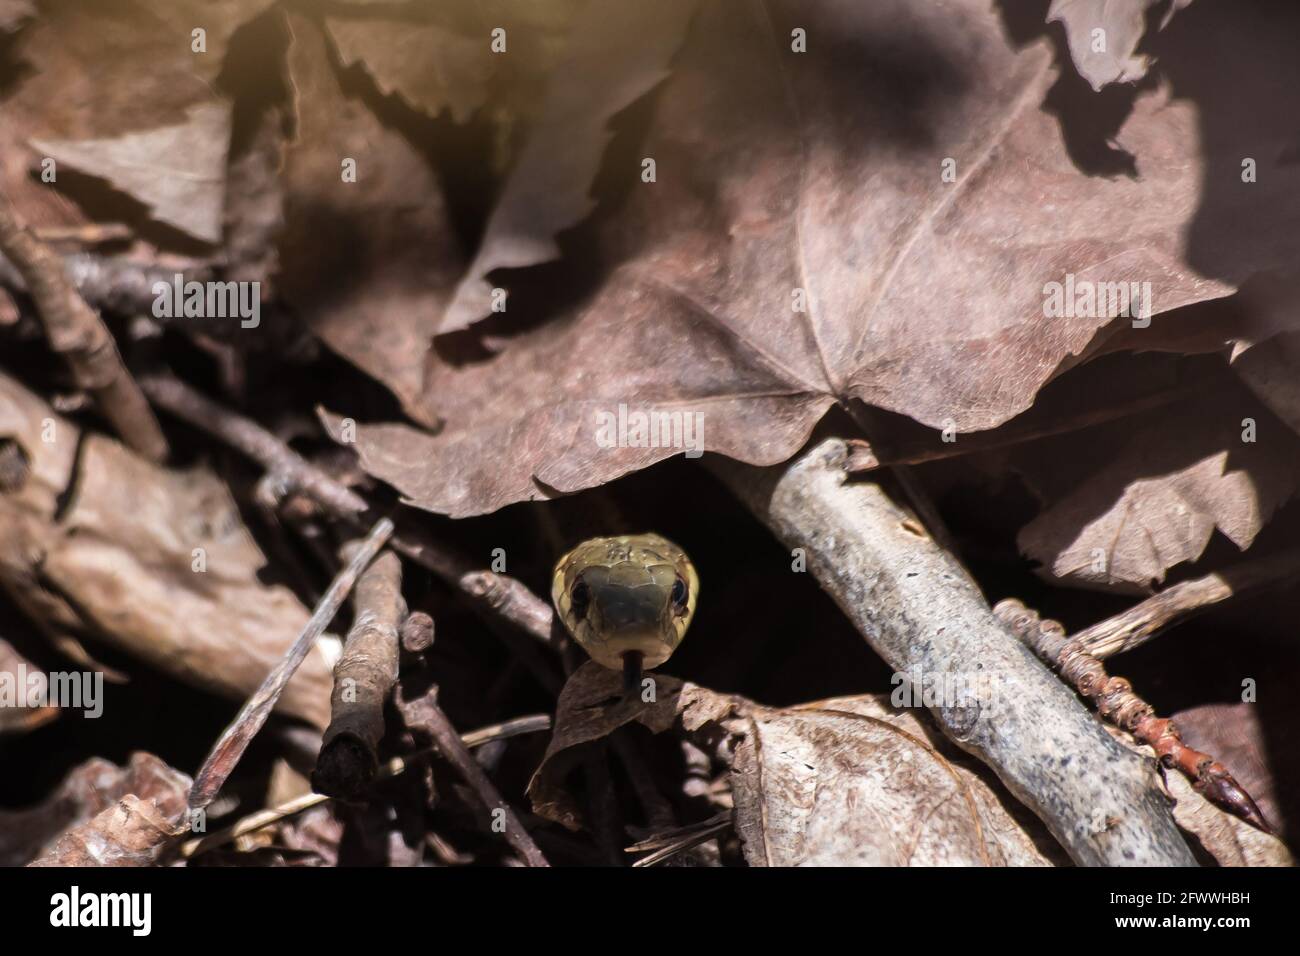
627 600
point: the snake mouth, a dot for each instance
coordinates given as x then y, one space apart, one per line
629 619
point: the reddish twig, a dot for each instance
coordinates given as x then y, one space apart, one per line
1117 703
77 333
227 751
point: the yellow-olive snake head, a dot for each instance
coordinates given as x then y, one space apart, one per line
627 600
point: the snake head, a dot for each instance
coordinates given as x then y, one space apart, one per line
626 594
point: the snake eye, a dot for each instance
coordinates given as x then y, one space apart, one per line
679 593
579 598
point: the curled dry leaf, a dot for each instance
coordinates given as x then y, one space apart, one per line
841 782
1103 36
132 833
154 561
158 134
800 246
89 789
1121 515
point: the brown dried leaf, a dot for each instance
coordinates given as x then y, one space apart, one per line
1131 513
614 56
1112 57
431 66
841 782
88 94
90 788
821 172
179 171
369 264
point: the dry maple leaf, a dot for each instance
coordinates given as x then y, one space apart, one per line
814 181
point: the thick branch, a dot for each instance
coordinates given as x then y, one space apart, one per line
363 679
925 616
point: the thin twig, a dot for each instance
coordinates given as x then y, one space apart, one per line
77 333
498 593
1145 620
533 723
424 715
235 739
363 679
669 843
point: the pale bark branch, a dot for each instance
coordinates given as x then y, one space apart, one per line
925 616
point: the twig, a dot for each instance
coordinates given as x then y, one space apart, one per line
81 337
1145 620
923 614
423 714
235 739
1117 703
256 442
363 679
669 843
498 593
534 723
